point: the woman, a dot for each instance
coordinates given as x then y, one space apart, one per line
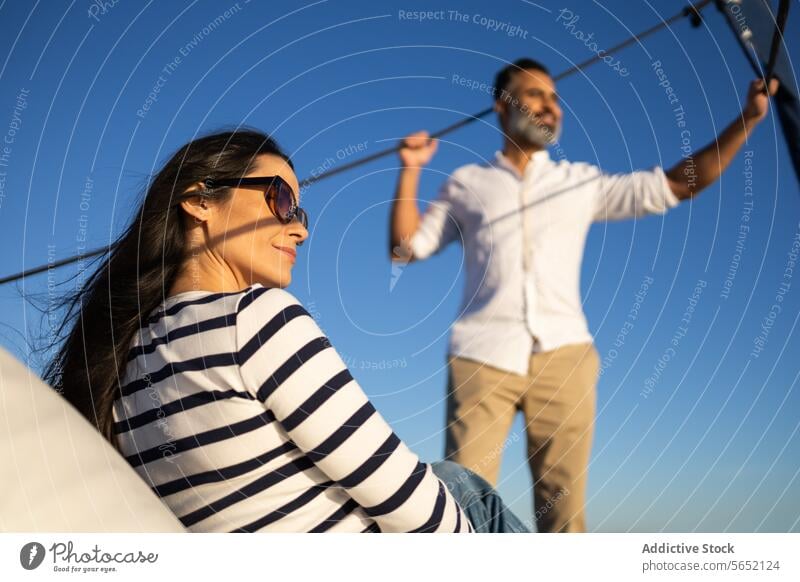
217 385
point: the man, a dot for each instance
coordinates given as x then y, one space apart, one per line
521 342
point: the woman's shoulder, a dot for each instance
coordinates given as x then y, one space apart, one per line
258 300
271 328
262 312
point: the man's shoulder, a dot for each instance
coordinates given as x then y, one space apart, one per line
462 179
468 170
468 174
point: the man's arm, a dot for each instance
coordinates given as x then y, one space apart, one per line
405 216
688 177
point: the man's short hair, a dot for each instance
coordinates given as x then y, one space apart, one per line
503 78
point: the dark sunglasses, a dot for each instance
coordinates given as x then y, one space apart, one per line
278 195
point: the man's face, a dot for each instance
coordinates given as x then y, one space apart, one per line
529 110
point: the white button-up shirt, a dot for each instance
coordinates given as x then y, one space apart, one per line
523 238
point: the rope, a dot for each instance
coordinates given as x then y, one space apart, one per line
743 38
691 11
777 38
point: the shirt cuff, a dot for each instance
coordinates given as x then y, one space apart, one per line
666 195
421 244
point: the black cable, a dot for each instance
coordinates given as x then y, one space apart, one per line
777 38
692 11
744 43
743 38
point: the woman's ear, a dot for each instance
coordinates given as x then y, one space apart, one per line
197 206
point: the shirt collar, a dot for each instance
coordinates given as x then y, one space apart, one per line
536 159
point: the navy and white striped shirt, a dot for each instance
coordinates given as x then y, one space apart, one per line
241 416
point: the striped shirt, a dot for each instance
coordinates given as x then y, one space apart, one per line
241 416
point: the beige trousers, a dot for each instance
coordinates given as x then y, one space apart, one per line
557 399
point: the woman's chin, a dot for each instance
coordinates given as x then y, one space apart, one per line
284 279
280 279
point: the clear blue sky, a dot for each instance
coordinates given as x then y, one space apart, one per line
714 446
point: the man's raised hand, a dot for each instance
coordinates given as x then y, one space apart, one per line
418 149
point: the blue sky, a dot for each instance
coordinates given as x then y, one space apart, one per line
707 441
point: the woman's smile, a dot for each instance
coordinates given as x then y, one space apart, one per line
289 251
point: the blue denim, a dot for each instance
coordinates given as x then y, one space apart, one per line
479 500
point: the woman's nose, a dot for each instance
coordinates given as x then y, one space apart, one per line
298 232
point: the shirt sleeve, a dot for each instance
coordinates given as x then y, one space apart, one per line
439 225
633 195
289 365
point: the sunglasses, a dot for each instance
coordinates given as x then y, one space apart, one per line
278 195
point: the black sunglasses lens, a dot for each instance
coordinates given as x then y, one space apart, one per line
284 201
280 198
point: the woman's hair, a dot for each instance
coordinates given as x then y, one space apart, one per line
136 273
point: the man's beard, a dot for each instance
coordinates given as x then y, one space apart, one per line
531 130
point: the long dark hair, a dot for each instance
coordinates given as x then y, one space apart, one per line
136 273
